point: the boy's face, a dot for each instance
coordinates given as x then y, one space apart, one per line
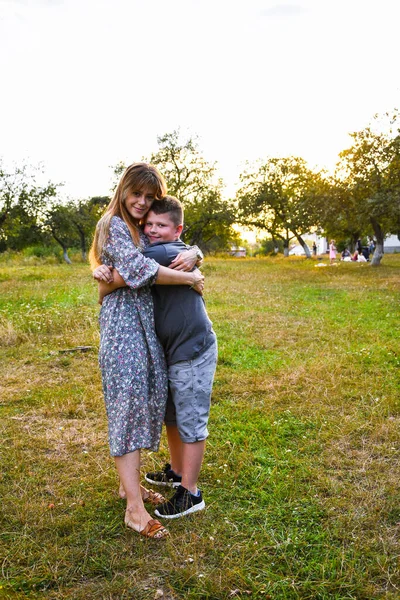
160 228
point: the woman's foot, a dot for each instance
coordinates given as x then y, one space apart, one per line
151 528
121 491
153 498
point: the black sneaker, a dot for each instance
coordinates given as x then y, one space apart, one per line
182 503
166 477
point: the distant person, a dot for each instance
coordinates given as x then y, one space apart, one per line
358 257
332 252
365 253
359 246
314 249
346 256
371 245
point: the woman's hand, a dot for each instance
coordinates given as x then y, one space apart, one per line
103 273
185 261
198 282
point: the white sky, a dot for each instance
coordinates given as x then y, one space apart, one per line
86 83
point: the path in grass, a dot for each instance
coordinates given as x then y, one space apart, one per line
302 466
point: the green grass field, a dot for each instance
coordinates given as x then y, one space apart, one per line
301 476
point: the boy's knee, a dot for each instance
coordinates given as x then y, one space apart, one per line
193 439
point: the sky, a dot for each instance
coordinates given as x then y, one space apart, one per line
88 83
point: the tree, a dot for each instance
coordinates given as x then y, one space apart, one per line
208 217
22 201
278 196
270 246
84 215
334 210
58 222
20 230
370 170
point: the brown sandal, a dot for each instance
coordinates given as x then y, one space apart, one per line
153 529
152 497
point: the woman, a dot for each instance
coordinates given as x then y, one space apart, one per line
131 358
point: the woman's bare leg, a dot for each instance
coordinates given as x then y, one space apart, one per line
128 467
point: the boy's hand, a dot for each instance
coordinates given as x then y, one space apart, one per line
185 261
103 273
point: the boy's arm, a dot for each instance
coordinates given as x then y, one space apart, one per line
107 288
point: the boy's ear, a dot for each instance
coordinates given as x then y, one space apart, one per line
178 230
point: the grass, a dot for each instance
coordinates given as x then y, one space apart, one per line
302 465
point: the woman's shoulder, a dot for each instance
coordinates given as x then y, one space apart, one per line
117 221
120 233
118 225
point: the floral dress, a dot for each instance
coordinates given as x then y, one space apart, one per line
131 357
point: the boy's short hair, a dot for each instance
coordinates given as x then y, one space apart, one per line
170 205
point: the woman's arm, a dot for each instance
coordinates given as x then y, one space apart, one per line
105 287
185 261
134 268
165 276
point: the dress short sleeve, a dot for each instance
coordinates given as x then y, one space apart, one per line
121 252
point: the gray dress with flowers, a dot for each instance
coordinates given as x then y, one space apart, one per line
131 357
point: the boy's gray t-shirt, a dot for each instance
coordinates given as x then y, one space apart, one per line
182 323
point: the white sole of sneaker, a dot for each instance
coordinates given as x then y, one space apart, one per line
173 484
193 509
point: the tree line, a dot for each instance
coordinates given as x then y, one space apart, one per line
281 196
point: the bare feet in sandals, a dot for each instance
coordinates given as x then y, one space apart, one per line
152 529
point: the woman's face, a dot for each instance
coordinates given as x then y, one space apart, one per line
138 203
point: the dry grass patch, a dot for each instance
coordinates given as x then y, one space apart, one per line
302 466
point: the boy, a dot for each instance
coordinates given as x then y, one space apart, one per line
190 347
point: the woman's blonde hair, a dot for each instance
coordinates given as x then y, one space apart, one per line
136 177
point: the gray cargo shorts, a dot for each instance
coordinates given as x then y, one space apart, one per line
189 395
